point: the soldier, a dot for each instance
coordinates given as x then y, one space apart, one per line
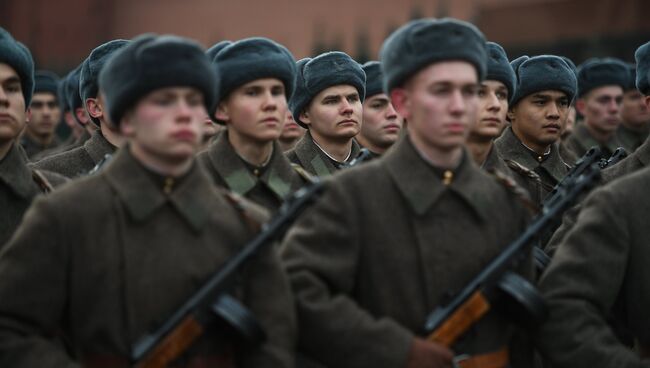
148 229
546 85
494 93
45 115
600 93
257 77
291 133
330 90
363 289
599 273
381 124
81 160
635 116
18 184
80 134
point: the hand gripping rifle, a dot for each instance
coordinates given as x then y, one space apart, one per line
496 284
177 334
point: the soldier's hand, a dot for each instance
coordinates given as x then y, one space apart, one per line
425 354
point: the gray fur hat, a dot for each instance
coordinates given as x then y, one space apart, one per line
46 81
151 62
541 73
595 73
374 78
642 56
255 58
325 70
17 55
421 42
499 68
89 76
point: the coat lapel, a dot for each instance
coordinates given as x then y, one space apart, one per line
15 173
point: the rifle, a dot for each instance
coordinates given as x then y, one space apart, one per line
496 284
364 155
593 155
617 156
177 333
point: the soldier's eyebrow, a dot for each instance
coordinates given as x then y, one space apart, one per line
541 96
12 79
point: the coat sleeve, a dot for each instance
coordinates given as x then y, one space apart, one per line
321 254
33 292
582 284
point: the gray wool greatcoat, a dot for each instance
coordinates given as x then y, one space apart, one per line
18 188
381 249
228 170
115 256
550 171
601 268
78 161
313 159
634 162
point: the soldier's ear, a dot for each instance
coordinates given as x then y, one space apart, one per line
94 108
400 98
647 101
305 118
222 112
511 114
28 115
126 127
581 106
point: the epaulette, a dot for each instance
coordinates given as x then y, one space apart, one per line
41 181
252 218
304 174
511 186
520 169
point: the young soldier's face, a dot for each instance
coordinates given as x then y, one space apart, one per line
45 114
493 108
167 124
12 104
291 129
537 119
381 124
335 113
256 110
440 104
601 107
634 111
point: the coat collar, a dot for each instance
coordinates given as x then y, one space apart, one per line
142 197
418 183
15 173
278 176
510 147
98 146
313 159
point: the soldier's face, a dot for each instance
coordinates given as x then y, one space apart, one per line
291 129
45 114
634 111
12 104
601 108
538 119
440 104
167 125
256 110
381 123
493 108
334 113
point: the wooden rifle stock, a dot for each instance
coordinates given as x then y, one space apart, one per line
185 325
465 316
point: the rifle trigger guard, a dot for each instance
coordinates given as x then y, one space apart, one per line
238 317
521 301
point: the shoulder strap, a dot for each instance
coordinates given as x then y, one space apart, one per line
511 186
41 181
521 169
304 174
246 214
